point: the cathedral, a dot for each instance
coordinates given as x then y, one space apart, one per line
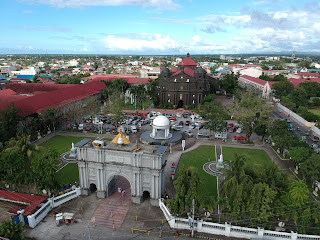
185 85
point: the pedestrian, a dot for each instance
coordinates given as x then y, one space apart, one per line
123 192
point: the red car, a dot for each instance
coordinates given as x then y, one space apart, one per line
240 138
173 119
68 126
88 128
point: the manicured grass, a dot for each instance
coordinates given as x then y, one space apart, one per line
315 111
131 107
60 143
197 158
253 156
68 174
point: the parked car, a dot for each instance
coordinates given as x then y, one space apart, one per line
68 126
81 126
239 138
315 139
188 133
108 129
203 134
173 119
232 129
181 123
288 120
88 127
239 130
230 125
188 123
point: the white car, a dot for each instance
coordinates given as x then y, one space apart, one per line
178 115
239 130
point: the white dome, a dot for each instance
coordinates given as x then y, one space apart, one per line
161 121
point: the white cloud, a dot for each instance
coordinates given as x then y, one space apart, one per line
27 11
140 42
196 38
160 4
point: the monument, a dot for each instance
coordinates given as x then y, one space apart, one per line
73 151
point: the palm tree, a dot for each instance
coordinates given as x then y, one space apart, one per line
299 193
234 176
134 90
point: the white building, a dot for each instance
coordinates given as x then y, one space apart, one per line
7 70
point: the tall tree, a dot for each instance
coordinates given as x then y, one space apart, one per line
186 186
214 113
251 112
151 90
9 120
299 154
230 82
234 176
299 193
283 88
310 168
12 231
261 202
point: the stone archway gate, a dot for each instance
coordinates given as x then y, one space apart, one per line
144 171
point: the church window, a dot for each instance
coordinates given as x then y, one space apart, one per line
188 80
181 77
181 87
175 80
193 95
181 96
169 95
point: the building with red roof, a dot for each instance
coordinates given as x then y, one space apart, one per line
265 87
24 201
35 97
130 79
186 84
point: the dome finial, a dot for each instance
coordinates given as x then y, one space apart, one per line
188 54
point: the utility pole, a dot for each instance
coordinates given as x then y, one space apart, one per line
89 232
192 230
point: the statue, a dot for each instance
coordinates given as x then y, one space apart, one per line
220 162
73 152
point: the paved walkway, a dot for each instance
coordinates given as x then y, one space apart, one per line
113 209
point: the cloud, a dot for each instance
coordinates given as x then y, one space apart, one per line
140 42
46 29
159 4
212 29
27 11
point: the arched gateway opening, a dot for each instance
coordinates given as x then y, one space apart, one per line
118 185
93 188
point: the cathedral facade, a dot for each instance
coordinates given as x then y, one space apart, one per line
185 85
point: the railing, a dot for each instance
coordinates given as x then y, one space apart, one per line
229 230
37 217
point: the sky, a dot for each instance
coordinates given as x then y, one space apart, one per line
159 26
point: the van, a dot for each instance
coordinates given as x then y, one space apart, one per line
134 129
81 126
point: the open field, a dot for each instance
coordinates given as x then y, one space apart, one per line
68 174
197 158
253 156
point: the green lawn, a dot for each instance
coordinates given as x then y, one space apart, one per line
197 158
253 156
60 143
315 111
68 174
131 107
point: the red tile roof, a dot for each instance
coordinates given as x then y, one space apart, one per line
176 73
56 98
7 92
29 88
131 79
189 71
31 201
306 74
258 80
188 61
173 70
7 99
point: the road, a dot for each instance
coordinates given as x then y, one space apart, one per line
300 129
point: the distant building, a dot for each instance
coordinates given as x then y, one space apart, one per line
6 70
185 85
